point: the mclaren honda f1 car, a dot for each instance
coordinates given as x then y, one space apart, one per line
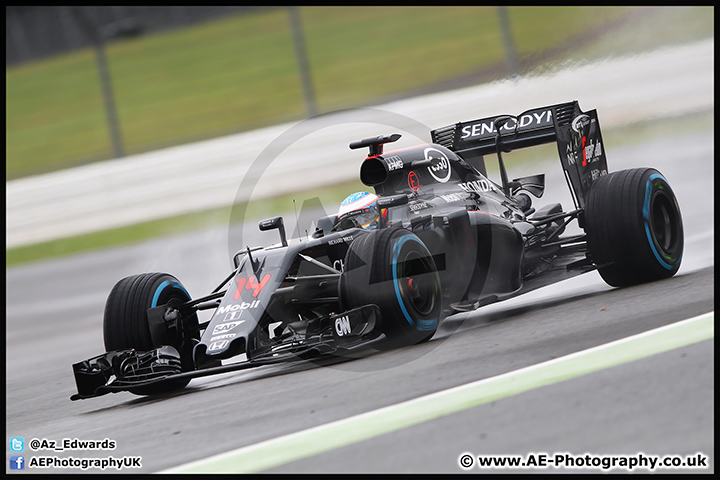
446 239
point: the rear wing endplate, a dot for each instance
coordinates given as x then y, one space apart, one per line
576 133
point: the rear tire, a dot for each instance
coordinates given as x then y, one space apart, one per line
634 227
394 270
125 323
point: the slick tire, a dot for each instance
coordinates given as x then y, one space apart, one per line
634 227
125 323
394 270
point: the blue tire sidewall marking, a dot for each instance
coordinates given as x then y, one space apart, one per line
646 218
425 325
168 283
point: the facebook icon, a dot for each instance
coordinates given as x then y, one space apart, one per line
17 462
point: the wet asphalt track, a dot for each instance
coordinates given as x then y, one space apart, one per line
658 405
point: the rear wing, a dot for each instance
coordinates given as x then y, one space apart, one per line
576 133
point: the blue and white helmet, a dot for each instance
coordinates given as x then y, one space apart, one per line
361 207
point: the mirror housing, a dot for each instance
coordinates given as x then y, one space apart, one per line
387 202
392 201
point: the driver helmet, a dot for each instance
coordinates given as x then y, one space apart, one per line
360 207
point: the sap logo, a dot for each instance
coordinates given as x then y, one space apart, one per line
342 325
440 170
225 327
479 186
394 163
218 345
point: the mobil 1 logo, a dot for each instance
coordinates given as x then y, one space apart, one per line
232 312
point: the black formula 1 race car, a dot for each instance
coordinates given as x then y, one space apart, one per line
447 240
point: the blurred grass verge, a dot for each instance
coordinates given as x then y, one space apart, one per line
329 196
240 72
218 217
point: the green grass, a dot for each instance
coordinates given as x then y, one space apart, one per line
240 72
650 28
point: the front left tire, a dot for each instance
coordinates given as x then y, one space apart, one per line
125 322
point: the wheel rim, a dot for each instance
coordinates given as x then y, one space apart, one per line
416 281
664 222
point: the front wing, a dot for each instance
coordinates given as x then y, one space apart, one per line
123 370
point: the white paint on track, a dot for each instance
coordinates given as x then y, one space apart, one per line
305 443
203 175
